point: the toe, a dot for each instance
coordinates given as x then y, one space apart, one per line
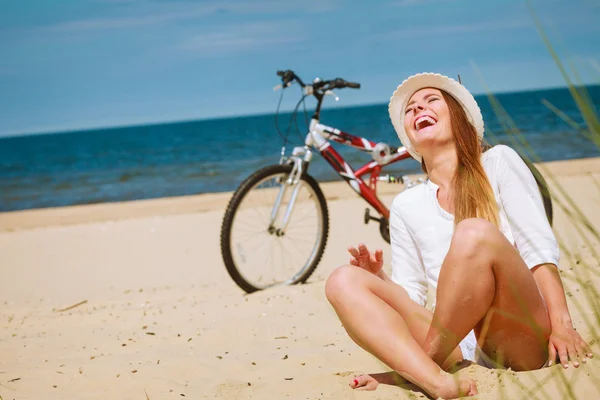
473 390
359 381
470 386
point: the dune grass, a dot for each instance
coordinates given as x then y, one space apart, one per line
583 266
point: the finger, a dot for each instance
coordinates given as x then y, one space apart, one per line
580 347
587 349
364 252
551 354
355 261
379 255
563 355
353 251
573 355
365 255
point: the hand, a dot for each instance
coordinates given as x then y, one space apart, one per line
567 343
366 260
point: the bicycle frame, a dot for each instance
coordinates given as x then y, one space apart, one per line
318 138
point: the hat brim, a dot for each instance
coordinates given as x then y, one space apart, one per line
416 82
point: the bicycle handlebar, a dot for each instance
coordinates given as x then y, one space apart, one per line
339 83
288 76
318 88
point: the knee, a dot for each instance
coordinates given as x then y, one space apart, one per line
474 235
340 282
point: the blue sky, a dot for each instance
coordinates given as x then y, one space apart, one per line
78 64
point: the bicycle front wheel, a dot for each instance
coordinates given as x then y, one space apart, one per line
260 250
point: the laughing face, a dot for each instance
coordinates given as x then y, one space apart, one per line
427 119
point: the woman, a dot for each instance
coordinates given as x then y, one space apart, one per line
478 234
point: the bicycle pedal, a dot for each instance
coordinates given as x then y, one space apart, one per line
368 217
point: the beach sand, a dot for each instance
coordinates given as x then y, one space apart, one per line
163 320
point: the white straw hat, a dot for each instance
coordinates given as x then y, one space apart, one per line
416 82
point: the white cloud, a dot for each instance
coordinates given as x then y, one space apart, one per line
250 37
165 12
94 24
447 29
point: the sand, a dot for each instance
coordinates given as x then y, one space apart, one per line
163 320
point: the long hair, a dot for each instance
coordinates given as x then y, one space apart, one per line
471 193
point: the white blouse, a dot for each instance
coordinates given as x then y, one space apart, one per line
421 230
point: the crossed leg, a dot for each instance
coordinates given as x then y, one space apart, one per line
381 318
484 284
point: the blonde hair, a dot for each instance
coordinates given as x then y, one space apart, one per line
472 195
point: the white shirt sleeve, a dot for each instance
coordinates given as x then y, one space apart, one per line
408 270
524 208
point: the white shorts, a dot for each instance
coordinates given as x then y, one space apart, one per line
472 352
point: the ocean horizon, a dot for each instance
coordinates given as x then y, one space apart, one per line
215 154
326 107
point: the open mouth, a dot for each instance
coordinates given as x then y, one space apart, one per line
424 122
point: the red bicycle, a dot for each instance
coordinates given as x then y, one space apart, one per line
275 227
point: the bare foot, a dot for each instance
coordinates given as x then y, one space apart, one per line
364 382
450 386
371 381
453 387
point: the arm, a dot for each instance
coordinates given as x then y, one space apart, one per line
408 270
564 340
533 235
548 280
522 202
537 245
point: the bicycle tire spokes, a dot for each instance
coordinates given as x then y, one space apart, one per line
269 248
275 211
289 210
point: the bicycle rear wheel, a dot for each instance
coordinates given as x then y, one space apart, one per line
256 252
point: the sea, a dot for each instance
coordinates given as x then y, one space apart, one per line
184 158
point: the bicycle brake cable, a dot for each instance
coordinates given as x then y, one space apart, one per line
293 120
277 120
305 116
301 101
305 113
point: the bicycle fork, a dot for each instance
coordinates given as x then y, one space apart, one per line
301 157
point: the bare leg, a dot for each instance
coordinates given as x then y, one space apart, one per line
381 318
484 281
